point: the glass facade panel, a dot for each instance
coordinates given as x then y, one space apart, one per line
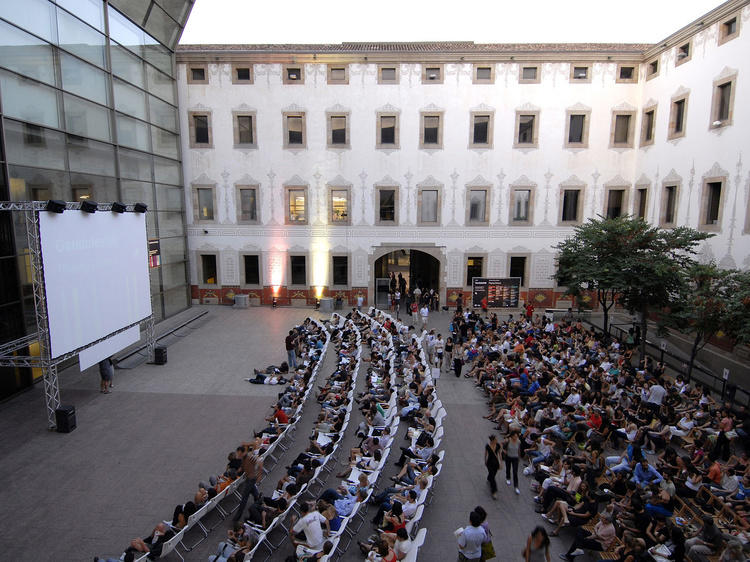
161 26
173 275
29 101
160 84
35 184
176 300
127 66
90 156
79 39
164 142
86 119
100 188
130 100
83 79
171 224
135 165
125 32
132 133
173 251
35 16
26 54
31 145
90 11
137 192
169 198
162 114
167 171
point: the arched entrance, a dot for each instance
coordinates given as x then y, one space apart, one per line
418 268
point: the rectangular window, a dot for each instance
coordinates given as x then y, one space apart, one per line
473 268
338 129
521 205
433 74
341 270
252 270
518 268
712 207
570 202
670 204
33 135
388 75
641 198
339 206
647 126
626 73
652 69
615 203
723 102
431 131
201 134
338 75
205 196
197 75
242 74
477 206
298 267
728 29
621 134
526 129
248 204
81 192
684 52
575 131
429 206
529 74
208 269
245 129
297 206
294 133
481 129
677 118
387 131
387 205
580 73
483 74
293 74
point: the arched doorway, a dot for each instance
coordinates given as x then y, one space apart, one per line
418 268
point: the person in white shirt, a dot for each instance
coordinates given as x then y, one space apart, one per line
439 349
424 312
311 525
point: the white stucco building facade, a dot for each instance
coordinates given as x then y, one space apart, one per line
304 165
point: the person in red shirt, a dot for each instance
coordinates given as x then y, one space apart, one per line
529 310
279 415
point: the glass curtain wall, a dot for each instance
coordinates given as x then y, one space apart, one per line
88 110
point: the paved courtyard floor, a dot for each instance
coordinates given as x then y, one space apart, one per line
140 450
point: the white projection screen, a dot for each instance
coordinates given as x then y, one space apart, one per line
95 275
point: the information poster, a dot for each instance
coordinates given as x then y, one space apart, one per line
496 292
154 253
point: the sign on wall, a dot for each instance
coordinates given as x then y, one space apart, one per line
495 292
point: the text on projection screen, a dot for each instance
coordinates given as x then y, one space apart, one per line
95 275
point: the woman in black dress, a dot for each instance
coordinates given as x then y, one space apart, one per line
492 461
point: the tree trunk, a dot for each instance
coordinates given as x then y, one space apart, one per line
693 355
605 308
644 332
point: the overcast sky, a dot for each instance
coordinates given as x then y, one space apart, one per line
482 21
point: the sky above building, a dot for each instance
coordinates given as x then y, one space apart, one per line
481 21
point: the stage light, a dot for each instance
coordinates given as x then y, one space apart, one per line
55 206
140 207
88 206
118 207
317 304
274 303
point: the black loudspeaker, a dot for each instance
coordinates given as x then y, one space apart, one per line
160 355
65 418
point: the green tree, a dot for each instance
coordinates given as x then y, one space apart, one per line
710 303
592 259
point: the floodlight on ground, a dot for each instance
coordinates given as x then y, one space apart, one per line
118 207
140 207
55 206
88 206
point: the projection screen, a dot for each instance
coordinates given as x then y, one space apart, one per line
95 275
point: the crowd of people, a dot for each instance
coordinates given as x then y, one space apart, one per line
639 464
414 301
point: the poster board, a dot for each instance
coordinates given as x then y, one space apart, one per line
499 292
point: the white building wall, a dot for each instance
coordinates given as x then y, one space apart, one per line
702 151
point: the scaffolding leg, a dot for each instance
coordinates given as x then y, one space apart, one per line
151 339
51 393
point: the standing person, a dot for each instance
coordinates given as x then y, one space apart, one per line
448 352
106 372
458 361
414 309
459 302
512 446
529 310
401 284
397 301
252 466
424 312
537 546
470 539
439 350
492 451
291 344
417 294
360 301
392 283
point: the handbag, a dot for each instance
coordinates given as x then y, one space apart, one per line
488 550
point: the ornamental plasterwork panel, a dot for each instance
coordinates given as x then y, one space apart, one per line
573 181
482 107
229 272
387 108
542 269
454 270
246 179
431 108
203 179
617 181
295 180
387 181
726 72
624 106
337 108
523 181
578 107
292 108
430 181
643 181
243 107
528 107
479 181
339 181
672 177
199 107
716 171
682 90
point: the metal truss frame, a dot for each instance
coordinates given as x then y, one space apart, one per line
44 361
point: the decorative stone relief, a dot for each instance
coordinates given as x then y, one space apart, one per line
496 264
320 199
359 271
547 188
229 273
363 179
542 269
454 270
272 200
501 196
